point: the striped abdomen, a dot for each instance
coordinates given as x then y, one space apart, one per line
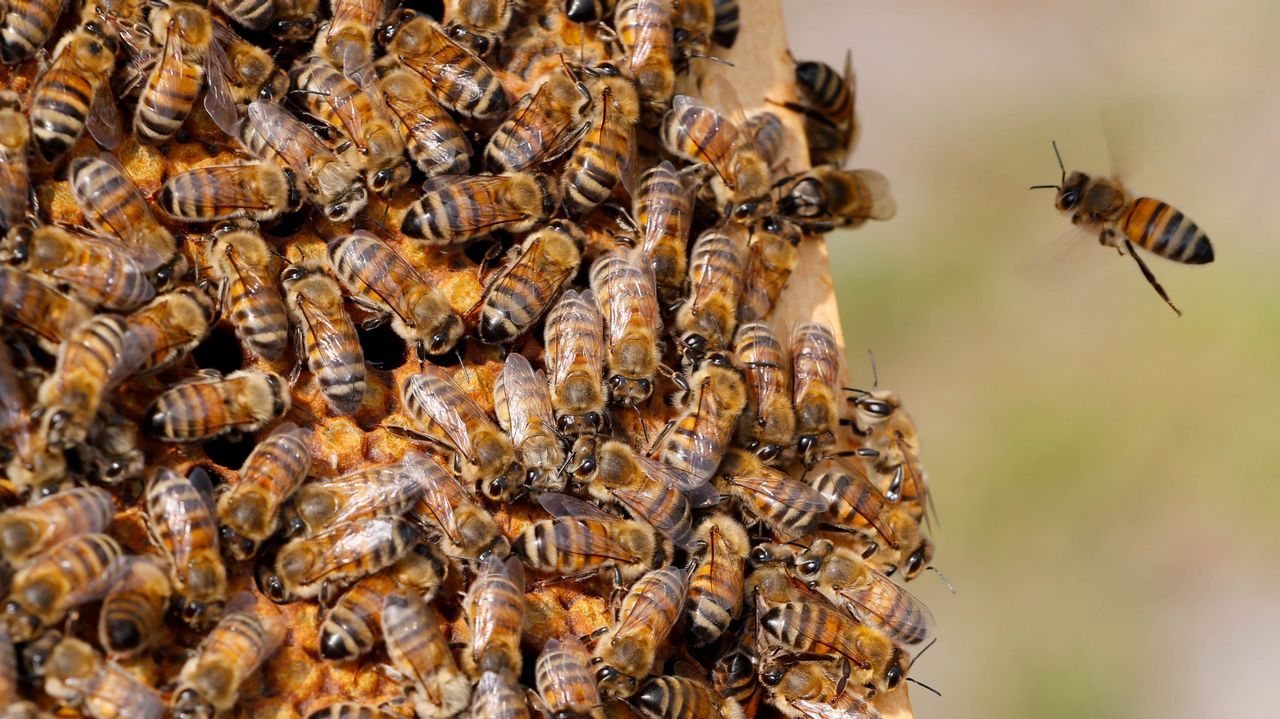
700 134
97 355
715 286
337 101
205 194
334 354
42 589
854 502
40 309
726 22
569 546
415 643
817 628
240 642
767 130
715 593
527 287
59 106
354 625
814 363
434 139
183 525
27 531
167 98
257 311
495 612
665 510
110 201
564 679
595 168
376 272
644 27
674 696
825 90
269 476
1164 230
133 610
574 340
498 695
200 410
461 81
658 596
629 303
896 611
253 14
25 26
664 211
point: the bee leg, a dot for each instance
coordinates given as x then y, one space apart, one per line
1151 278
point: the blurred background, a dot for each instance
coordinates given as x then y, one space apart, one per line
1105 473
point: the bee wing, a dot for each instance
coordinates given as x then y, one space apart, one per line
563 506
709 283
103 121
440 491
447 406
255 280
219 101
488 213
719 95
348 543
656 14
520 395
486 619
89 275
810 709
328 331
225 190
879 203
631 297
721 126
660 214
676 525
97 587
860 493
649 611
574 329
781 489
375 491
878 602
698 490
286 135
813 364
697 439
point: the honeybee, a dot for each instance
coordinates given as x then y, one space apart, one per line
913 551
545 124
574 354
239 72
696 440
815 628
644 29
295 20
435 141
241 262
812 689
623 283
380 280
767 423
419 652
772 255
708 316
534 274
603 156
350 710
113 451
245 637
692 24
583 540
494 608
183 524
323 563
459 79
38 308
890 436
252 14
696 132
273 133
771 582
480 22
673 697
646 616
96 357
211 405
565 685
498 695
250 511
86 266
376 146
483 452
260 191
454 210
184 31
826 197
29 530
178 321
114 206
25 27
15 182
74 92
353 625
325 336
77 675
814 364
347 42
734 673
725 30
715 589
647 489
72 572
466 529
827 105
133 609
387 490
663 209
769 135
523 407
1105 206
790 509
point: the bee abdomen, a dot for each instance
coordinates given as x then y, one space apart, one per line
253 14
26 28
166 102
1164 230
58 112
353 626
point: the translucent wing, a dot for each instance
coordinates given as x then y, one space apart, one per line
817 710
719 94
628 297
575 337
719 126
388 489
648 607
486 618
706 281
697 440
448 407
441 493
777 488
563 506
660 214
485 189
814 359
224 189
350 543
328 332
521 399
853 491
103 121
97 587
876 201
888 605
219 101
696 488
286 135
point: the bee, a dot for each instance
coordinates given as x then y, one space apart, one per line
435 141
826 197
381 281
183 524
498 695
459 79
185 31
252 14
211 405
30 530
250 511
323 563
623 283
708 316
481 22
715 589
699 435
648 613
767 424
772 255
827 106
645 31
114 206
352 626
96 357
133 609
376 147
1105 206
812 689
647 489
769 135
25 27
347 42
178 321
260 191
323 333
418 651
719 139
789 508
387 490
238 72
455 210
114 450
245 637
241 263
725 29
75 93
770 582
583 540
891 438
38 308
544 125
15 180
814 364
523 406
913 551
494 608
603 156
77 675
814 628
574 354
74 571
85 266
465 528
532 277
734 673
295 20
672 697
583 11
663 209
565 685
275 135
350 710
692 24
483 451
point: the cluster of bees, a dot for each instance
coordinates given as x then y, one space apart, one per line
416 306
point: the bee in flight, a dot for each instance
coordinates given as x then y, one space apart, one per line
1105 206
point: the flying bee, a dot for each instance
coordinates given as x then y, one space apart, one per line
29 530
387 490
545 124
245 637
274 134
697 438
826 197
240 261
523 407
827 104
183 524
623 283
603 156
565 685
323 333
498 695
72 572
483 452
816 628
211 405
347 41
323 563
252 14
178 321
133 609
644 29
574 354
250 511
789 508
77 675
459 79
74 93
184 30
647 489
15 181
583 540
709 314
115 207
353 625
767 424
772 255
814 364
648 613
769 135
295 20
38 308
465 528
86 266
260 191
1105 206
673 697
663 209
455 210
435 141
530 280
376 147
420 654
479 23
692 24
715 588
494 608
381 281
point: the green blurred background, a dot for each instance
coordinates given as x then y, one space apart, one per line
1105 473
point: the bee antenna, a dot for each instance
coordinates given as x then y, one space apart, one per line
875 374
921 654
1060 165
945 582
919 683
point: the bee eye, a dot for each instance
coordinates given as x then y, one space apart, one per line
809 567
1070 198
893 677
